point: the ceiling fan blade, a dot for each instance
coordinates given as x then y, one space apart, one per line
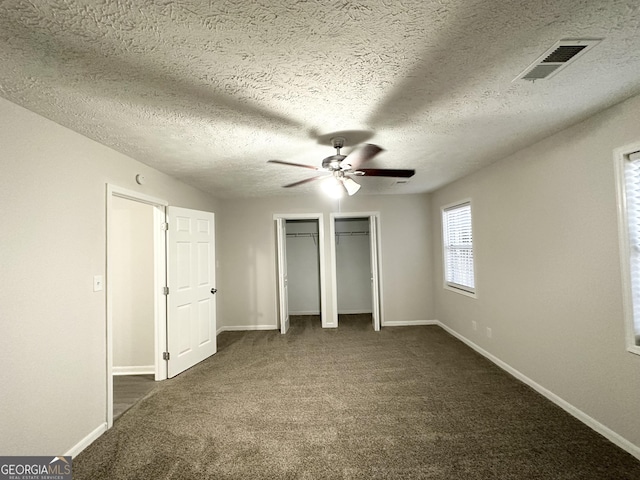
359 156
386 172
281 162
301 182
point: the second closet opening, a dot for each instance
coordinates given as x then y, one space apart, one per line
353 268
355 259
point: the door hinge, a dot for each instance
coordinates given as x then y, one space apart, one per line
165 290
165 355
165 226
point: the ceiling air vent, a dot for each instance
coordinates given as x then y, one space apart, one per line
556 58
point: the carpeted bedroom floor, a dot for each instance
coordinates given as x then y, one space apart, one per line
349 403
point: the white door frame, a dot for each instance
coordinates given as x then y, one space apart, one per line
374 263
334 274
283 275
326 321
160 305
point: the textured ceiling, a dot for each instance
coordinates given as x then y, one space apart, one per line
207 91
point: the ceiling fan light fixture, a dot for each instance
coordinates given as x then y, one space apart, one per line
342 167
350 186
334 187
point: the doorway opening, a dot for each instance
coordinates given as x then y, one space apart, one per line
133 309
300 254
136 309
180 277
355 268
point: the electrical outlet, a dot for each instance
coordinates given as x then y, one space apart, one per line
97 283
489 332
474 324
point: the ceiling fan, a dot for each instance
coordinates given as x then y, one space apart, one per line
343 167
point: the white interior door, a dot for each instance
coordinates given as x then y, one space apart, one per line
191 303
375 278
283 281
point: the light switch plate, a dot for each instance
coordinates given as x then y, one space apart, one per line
97 283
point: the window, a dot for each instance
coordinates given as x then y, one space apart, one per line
458 248
628 176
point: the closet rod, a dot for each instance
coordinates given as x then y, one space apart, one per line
302 234
350 234
313 236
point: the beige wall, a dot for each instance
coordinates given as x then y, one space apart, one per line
132 281
52 194
548 272
246 235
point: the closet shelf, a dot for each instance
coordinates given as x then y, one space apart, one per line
302 235
338 234
351 234
313 236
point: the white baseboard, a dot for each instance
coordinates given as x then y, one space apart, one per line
86 441
353 312
409 323
238 328
242 328
144 370
315 312
566 406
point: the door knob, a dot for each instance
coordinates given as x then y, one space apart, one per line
213 291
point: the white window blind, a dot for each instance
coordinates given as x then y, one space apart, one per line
458 247
632 191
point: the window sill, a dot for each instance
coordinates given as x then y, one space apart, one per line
634 349
461 291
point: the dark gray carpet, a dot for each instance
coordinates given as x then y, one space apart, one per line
404 403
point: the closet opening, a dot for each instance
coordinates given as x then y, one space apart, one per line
300 247
355 254
303 267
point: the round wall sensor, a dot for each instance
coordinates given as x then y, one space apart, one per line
140 179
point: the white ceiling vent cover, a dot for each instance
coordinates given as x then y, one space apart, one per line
556 58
